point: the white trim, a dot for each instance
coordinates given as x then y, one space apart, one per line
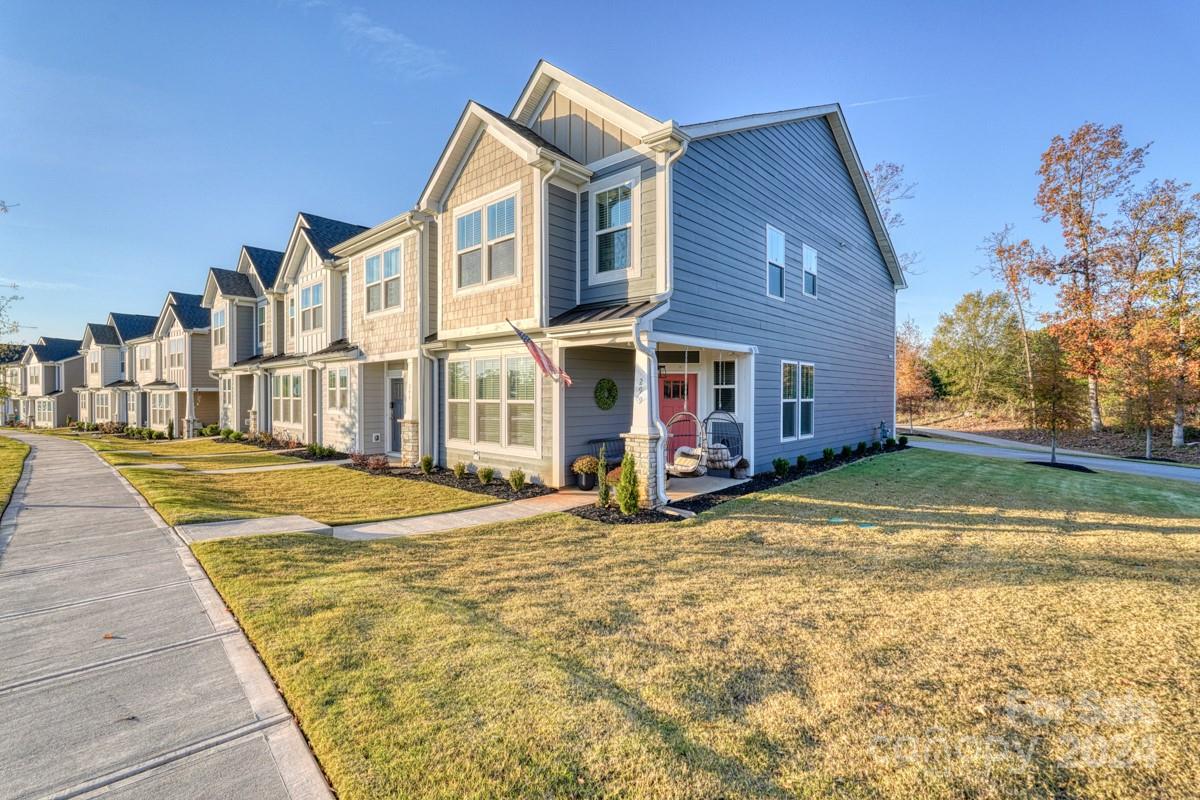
479 205
783 362
802 400
503 447
626 116
633 177
805 251
379 251
628 154
768 263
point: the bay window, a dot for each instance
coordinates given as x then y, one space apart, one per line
486 254
383 280
493 401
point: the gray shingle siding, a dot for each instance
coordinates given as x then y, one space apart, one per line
561 223
726 190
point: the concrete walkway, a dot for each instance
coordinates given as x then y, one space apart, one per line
1027 452
487 515
121 671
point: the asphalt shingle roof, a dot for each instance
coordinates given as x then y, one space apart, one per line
329 233
52 349
103 334
188 311
11 352
232 283
133 326
266 262
526 132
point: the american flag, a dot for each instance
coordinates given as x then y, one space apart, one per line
548 367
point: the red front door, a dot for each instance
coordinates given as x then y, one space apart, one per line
676 393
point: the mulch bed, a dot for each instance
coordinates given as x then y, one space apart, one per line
613 516
470 483
1061 465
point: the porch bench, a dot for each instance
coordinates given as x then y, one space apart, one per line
614 449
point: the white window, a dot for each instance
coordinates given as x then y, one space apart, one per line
44 412
94 362
261 320
226 392
776 262
796 400
218 326
486 253
383 280
612 218
725 386
291 316
337 382
131 408
311 306
286 399
809 257
143 357
175 352
493 401
102 407
160 409
35 376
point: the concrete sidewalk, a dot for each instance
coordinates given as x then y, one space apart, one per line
122 673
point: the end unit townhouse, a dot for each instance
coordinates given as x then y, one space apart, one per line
110 392
52 367
730 280
12 378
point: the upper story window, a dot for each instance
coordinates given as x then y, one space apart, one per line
143 357
776 261
311 307
94 362
218 326
486 253
809 257
35 376
383 280
175 352
291 316
260 317
613 221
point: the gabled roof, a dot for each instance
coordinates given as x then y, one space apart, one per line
132 326
841 134
100 333
265 262
474 120
184 307
321 234
547 78
47 349
229 283
11 353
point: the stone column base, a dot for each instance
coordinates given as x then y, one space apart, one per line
252 422
644 449
410 442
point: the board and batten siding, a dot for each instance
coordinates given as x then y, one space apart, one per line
562 260
727 189
644 284
580 132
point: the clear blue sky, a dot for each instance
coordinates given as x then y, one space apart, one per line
146 141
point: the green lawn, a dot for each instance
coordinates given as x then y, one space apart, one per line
192 463
332 495
773 647
12 460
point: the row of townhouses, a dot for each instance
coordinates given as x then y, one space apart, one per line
736 270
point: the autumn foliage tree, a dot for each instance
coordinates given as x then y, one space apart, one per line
1058 395
914 385
1013 264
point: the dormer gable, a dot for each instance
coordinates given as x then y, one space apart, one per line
312 234
184 308
229 284
261 266
99 334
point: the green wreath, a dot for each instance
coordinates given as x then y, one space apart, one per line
605 394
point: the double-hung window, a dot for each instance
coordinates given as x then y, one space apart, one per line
614 240
486 253
809 257
338 387
383 280
311 306
226 392
776 262
725 386
143 358
131 408
35 376
175 352
796 400
493 401
94 362
102 407
218 328
286 398
160 409
261 320
291 316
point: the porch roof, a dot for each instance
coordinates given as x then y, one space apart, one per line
604 312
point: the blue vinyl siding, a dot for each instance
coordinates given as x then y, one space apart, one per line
561 222
644 284
727 189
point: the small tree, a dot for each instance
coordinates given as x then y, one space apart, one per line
914 387
1058 397
627 488
603 491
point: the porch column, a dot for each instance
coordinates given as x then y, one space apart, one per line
189 421
255 394
645 438
410 429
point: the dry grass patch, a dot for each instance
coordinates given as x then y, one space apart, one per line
760 650
332 495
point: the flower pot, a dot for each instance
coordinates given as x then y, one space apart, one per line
738 474
586 481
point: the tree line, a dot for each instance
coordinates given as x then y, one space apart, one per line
1119 346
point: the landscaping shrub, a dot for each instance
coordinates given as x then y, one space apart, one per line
170 429
904 441
426 464
377 463
627 489
827 454
876 447
236 436
890 443
359 459
801 463
210 430
485 475
781 466
861 449
516 479
460 470
603 491
846 451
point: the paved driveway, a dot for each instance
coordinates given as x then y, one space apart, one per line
121 671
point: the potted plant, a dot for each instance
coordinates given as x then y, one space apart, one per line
739 469
584 468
